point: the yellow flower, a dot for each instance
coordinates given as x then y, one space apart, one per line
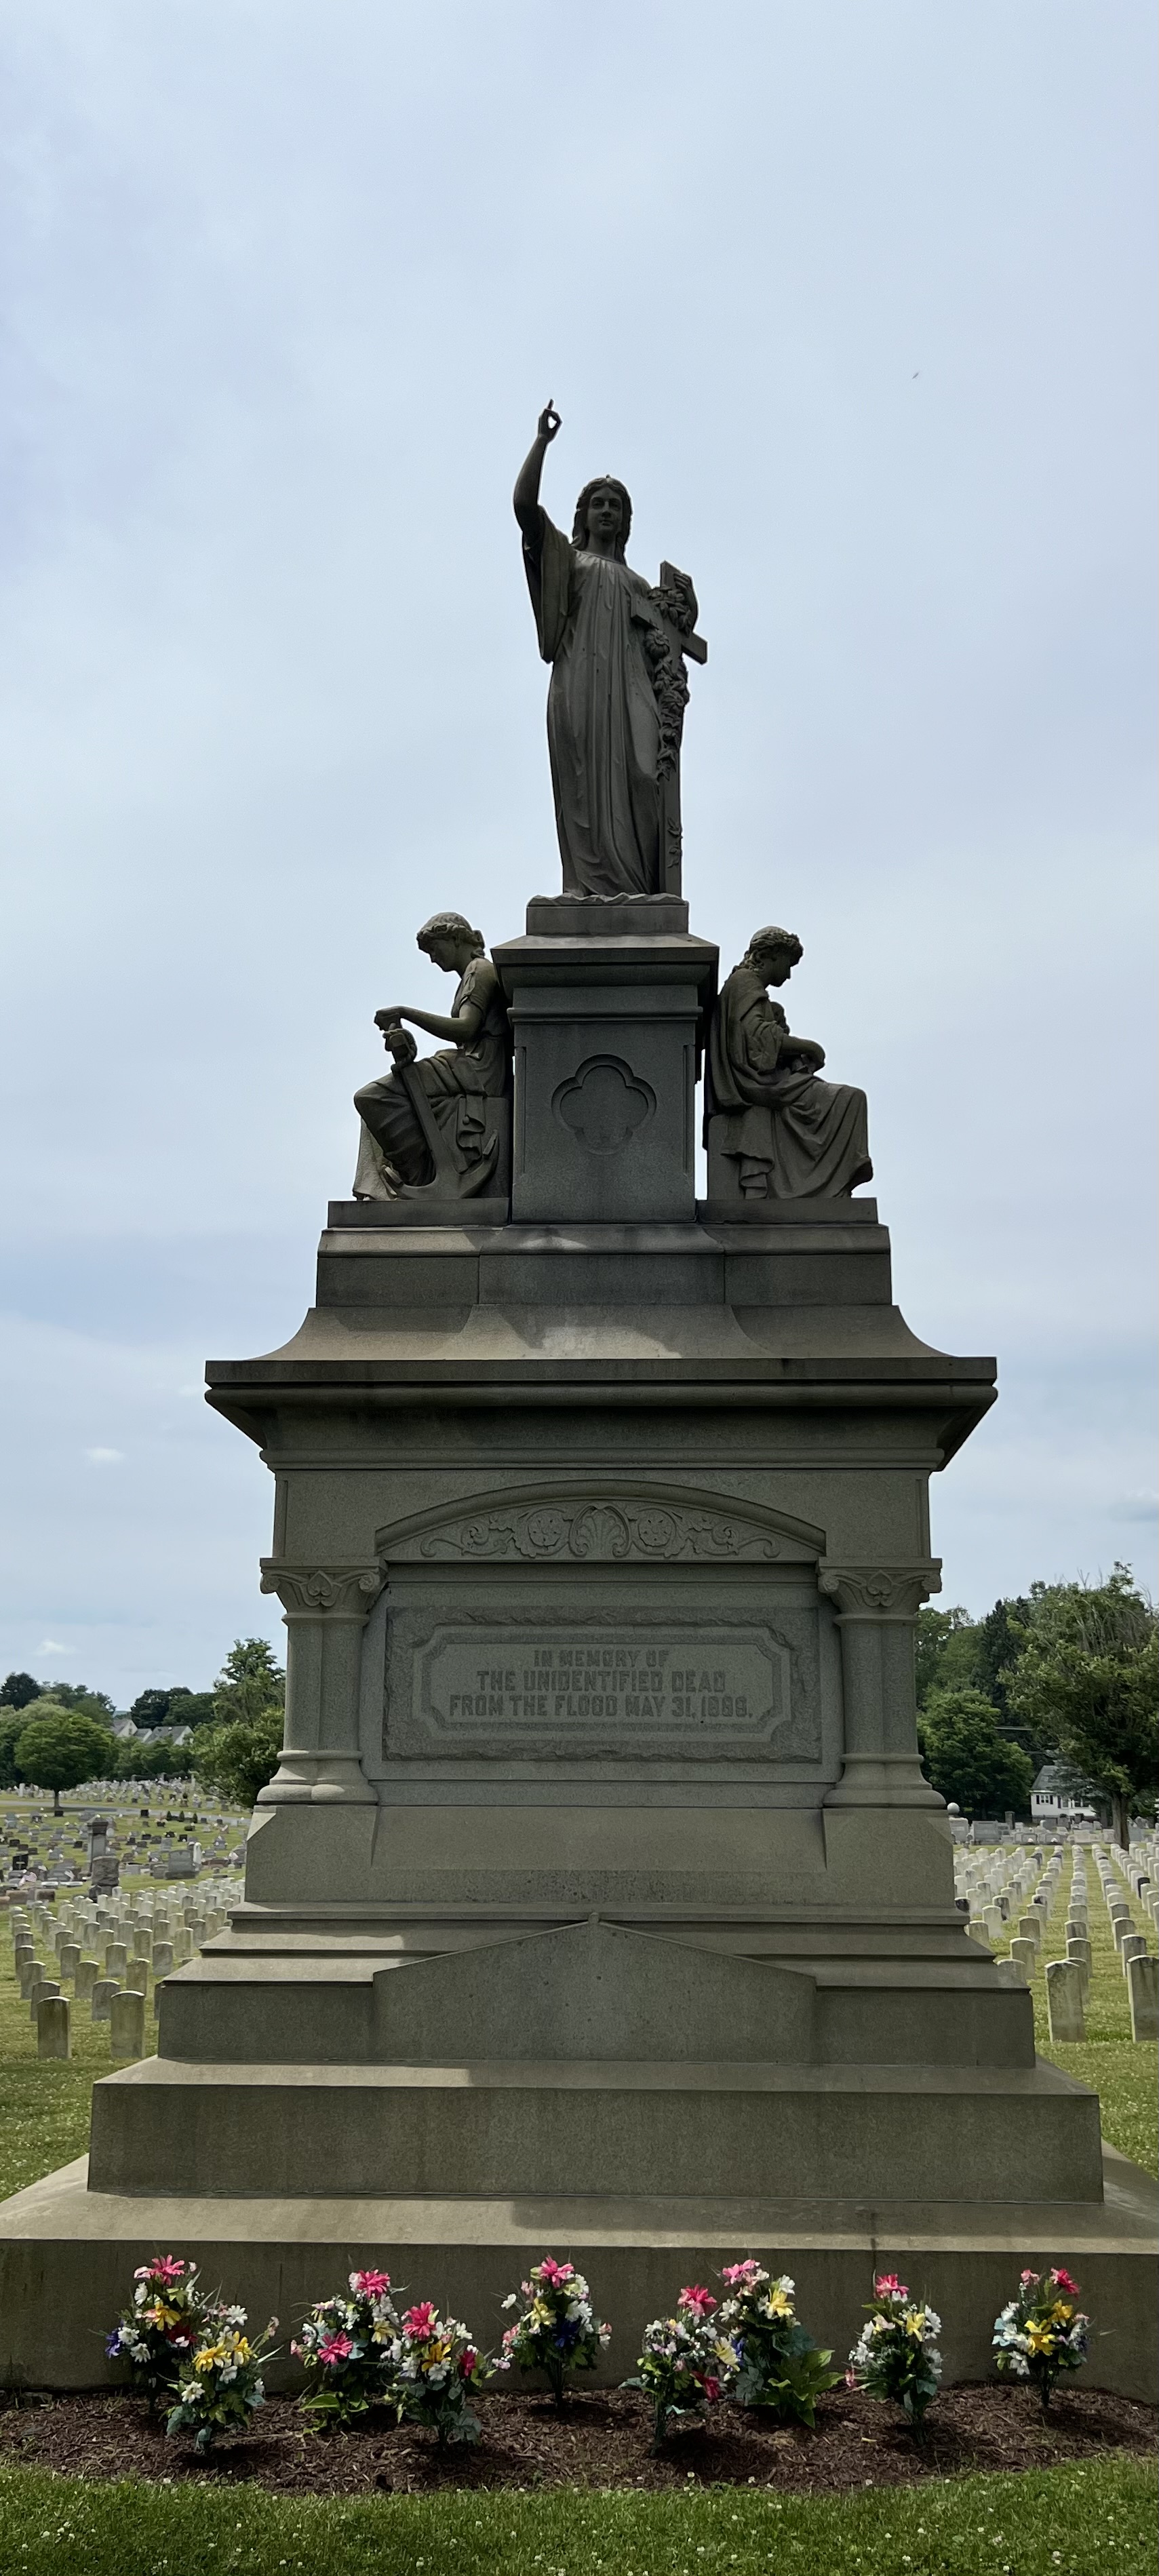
1062 2311
914 2322
1039 2336
778 2305
160 2315
211 2356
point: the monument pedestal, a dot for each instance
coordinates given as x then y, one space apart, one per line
599 1903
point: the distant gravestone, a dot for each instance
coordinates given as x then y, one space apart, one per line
1143 1989
52 2027
1064 1999
127 2017
1025 1955
87 1972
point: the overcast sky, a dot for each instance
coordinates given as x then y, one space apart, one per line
857 297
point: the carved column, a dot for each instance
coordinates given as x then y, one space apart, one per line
877 1608
326 1609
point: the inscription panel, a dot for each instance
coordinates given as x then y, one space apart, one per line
480 1688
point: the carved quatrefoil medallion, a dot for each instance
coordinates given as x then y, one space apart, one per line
604 1104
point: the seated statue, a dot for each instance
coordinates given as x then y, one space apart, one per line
442 1123
783 1134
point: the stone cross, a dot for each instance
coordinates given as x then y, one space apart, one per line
676 600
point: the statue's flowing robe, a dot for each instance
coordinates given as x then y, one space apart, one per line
594 619
456 1081
812 1136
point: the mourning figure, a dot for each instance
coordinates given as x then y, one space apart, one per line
441 1123
618 690
773 1129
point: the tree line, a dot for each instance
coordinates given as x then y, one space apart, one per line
55 1735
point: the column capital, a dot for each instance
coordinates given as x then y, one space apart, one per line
323 1591
878 1592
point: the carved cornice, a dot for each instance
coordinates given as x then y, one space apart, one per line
323 1591
600 1529
879 1591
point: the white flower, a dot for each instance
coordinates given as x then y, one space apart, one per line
510 2301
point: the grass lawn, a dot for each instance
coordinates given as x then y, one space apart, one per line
1054 2522
1124 2072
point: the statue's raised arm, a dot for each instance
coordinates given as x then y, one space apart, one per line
526 494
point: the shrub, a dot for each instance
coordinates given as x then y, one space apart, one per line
779 2366
556 2331
1042 2332
686 2362
346 2347
896 2354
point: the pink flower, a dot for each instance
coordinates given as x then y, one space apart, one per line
468 2362
337 2348
420 2321
740 2276
168 2268
886 2285
1024 2277
555 2274
699 2300
370 2285
712 2386
1065 2282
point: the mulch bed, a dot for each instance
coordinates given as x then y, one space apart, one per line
601 2440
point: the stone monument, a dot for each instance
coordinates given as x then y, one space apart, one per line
599 1901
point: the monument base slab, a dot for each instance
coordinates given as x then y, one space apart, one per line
68 2253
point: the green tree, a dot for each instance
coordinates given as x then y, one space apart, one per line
191 1708
1000 1638
151 1707
967 1757
251 1682
239 1759
18 1689
12 1723
58 1747
1089 1674
88 1703
943 1650
163 1761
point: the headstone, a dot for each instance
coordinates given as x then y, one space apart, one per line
1133 1947
43 1986
138 1972
104 1988
1064 1999
87 1972
1030 1929
69 1955
127 2017
162 1958
52 2027
116 1960
1010 1972
31 1971
1025 1953
1143 1989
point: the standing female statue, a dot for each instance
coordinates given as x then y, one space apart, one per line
618 690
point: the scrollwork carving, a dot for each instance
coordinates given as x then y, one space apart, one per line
879 1591
598 1530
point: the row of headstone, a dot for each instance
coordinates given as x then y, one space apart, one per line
108 1950
1123 1876
1000 1888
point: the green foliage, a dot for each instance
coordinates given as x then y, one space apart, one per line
968 1758
86 1702
191 1708
11 1728
943 1651
163 1761
18 1689
151 1707
57 1748
239 1759
1089 1672
250 1682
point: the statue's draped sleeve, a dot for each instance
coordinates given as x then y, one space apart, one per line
745 1044
549 562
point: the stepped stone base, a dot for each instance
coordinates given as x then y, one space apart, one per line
67 2253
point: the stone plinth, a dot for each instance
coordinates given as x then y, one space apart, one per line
599 1901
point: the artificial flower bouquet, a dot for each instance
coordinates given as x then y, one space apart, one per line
896 2354
437 2367
221 2385
555 2330
345 2345
1042 2332
779 2367
158 2332
686 2363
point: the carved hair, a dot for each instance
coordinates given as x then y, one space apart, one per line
449 925
603 483
772 942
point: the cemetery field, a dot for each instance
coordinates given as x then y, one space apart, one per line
1056 2522
1122 2071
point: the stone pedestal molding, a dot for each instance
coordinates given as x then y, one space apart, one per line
876 1613
325 1610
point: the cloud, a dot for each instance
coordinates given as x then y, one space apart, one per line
52 1646
105 1457
1136 1507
